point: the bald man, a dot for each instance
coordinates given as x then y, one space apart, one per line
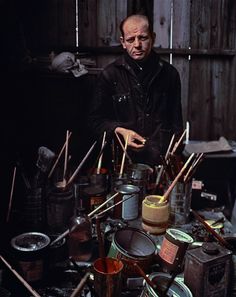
138 96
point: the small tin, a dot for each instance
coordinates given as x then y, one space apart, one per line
207 270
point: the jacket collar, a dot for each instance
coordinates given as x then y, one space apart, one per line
121 62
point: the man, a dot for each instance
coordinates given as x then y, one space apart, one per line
138 96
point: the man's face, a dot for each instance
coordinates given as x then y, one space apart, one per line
137 39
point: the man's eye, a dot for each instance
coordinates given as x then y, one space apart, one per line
143 38
130 40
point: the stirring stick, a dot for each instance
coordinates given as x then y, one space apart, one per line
101 205
11 194
100 159
178 142
20 278
187 133
121 144
59 156
142 273
161 171
112 206
81 164
211 230
169 147
64 234
66 155
167 193
123 158
80 286
193 166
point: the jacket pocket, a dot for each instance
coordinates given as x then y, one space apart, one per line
122 105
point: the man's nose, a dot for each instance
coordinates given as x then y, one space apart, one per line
136 42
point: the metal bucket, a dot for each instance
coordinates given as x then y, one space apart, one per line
133 246
30 252
160 279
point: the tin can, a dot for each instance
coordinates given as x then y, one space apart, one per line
30 250
173 249
60 208
207 270
129 208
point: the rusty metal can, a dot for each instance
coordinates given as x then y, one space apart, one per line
207 270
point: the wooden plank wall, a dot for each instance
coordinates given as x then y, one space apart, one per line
208 27
213 78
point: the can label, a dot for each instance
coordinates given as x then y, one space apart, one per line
32 271
168 251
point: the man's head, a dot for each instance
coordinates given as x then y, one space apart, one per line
137 36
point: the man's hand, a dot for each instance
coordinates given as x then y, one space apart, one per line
134 139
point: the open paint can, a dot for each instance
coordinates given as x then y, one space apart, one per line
155 215
160 279
173 249
30 251
133 246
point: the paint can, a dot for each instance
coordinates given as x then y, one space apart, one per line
34 212
93 195
133 245
207 270
60 208
108 277
180 203
173 249
155 215
30 252
160 279
129 208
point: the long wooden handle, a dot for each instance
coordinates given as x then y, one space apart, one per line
81 164
59 156
167 193
212 231
20 278
123 158
80 286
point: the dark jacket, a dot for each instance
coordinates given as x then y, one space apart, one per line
148 103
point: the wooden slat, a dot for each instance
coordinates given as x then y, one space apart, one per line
87 22
110 14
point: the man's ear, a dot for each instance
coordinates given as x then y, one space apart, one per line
122 42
